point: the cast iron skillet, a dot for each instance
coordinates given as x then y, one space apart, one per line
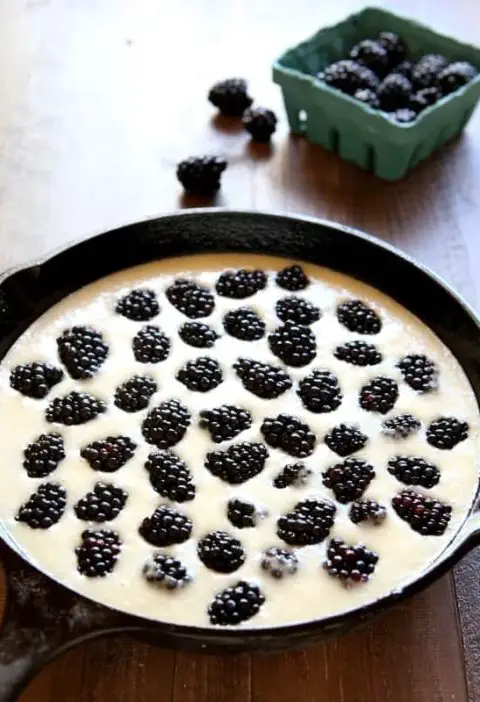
43 617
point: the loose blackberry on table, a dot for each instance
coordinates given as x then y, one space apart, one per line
379 395
42 456
345 439
201 175
358 353
239 284
297 310
110 454
230 97
401 426
320 392
166 424
74 408
135 394
201 375
221 552
367 511
349 480
35 379
236 604
243 514
225 422
151 345
357 317
419 372
44 507
289 434
166 571
140 305
279 562
102 504
260 123
292 278
308 523
293 344
190 298
262 379
237 463
82 350
245 324
170 476
166 527
424 514
350 563
98 552
292 475
446 432
414 470
198 335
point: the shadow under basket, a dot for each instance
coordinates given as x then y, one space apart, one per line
356 132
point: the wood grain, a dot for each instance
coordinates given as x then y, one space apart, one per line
99 102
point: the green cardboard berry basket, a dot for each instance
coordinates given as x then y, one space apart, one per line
357 133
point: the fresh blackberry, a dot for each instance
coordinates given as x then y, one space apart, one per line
262 379
260 123
419 372
348 76
455 75
44 507
198 335
320 392
166 527
425 72
151 345
237 463
82 350
372 54
221 552
166 424
308 523
426 515
379 395
110 454
230 97
98 552
405 68
358 353
394 46
244 324
349 480
139 305
279 562
239 284
422 99
367 511
367 97
236 604
289 434
243 514
404 116
292 278
201 375
201 175
135 394
43 455
357 317
170 476
401 426
350 563
189 298
102 504
293 474
394 92
35 379
345 439
297 310
446 432
166 571
225 422
413 470
74 408
293 344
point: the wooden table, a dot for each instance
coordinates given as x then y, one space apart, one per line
99 100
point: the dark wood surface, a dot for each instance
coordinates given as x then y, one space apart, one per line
99 100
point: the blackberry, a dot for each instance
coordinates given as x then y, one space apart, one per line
358 353
198 335
320 392
43 455
367 511
230 97
35 379
289 434
74 408
424 98
243 514
82 350
425 72
239 284
279 562
350 563
293 474
413 470
419 372
455 75
151 345
139 305
297 310
44 507
292 278
221 552
170 476
446 432
426 515
262 379
401 426
367 97
110 454
405 68
225 422
102 504
201 175
166 527
294 345
166 424
372 54
379 395
349 480
308 523
260 123
394 47
135 394
244 324
404 115
201 375
237 463
98 552
394 92
189 298
348 76
236 604
345 439
357 317
166 571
